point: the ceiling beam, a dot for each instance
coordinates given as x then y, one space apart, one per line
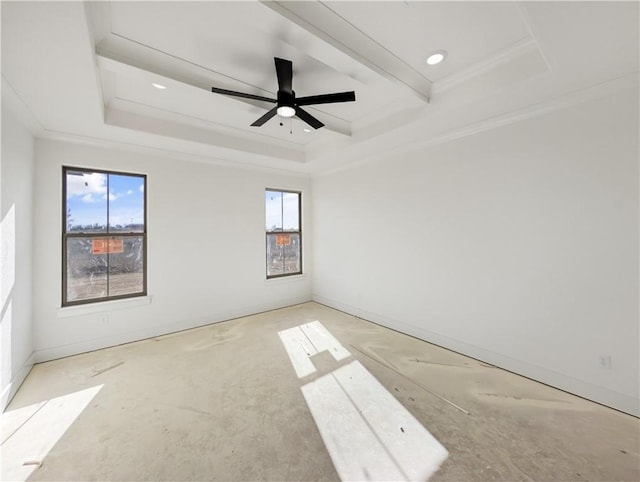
320 20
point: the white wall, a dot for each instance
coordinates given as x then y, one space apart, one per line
16 214
517 246
206 250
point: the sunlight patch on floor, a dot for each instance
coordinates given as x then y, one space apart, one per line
367 432
29 433
305 341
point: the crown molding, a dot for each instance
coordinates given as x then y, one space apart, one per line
513 52
533 33
175 155
627 82
598 91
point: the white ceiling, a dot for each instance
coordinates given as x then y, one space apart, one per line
84 71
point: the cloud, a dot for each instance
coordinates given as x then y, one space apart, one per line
141 188
112 196
87 186
129 192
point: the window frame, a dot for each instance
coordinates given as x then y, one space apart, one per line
298 232
105 235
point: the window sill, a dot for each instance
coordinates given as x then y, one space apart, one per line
285 279
101 306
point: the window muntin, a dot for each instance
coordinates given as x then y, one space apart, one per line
104 236
283 233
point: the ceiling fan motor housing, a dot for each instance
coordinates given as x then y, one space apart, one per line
286 98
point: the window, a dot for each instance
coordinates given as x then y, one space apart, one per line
104 235
284 235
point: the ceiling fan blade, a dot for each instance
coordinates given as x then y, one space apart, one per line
265 117
284 71
242 94
308 118
327 98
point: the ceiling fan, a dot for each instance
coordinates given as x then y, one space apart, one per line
287 105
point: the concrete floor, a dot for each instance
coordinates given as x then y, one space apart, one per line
222 402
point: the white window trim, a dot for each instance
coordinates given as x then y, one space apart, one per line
101 306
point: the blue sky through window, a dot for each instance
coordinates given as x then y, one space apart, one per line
87 199
281 210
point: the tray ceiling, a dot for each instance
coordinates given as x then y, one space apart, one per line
87 69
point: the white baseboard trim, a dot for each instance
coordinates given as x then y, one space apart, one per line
567 383
42 355
11 389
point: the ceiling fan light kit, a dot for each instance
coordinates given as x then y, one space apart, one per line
286 111
286 103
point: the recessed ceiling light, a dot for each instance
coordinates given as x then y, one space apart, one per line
306 130
158 86
436 57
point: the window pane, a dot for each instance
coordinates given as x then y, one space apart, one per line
273 203
86 269
283 254
275 256
126 265
86 201
99 265
292 254
126 203
290 211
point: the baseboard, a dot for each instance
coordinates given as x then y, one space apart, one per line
53 353
581 388
11 389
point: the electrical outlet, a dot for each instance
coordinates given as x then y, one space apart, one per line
604 361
